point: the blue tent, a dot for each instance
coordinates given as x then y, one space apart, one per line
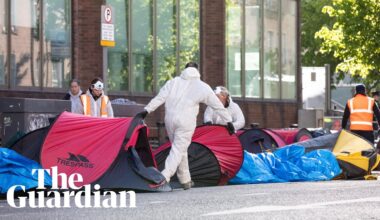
287 164
17 170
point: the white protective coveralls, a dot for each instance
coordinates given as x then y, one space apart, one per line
182 96
95 106
237 116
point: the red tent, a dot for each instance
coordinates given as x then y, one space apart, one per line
291 136
257 140
112 152
214 155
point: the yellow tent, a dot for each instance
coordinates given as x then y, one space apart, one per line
356 156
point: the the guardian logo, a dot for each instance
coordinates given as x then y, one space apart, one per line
82 196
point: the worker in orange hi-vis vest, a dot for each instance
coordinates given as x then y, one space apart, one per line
360 111
94 102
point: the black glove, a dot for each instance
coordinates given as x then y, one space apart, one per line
208 123
142 114
230 128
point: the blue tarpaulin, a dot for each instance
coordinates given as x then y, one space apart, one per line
287 164
17 170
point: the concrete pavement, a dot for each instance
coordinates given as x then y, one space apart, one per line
307 200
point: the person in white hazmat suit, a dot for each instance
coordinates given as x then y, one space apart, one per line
182 96
210 116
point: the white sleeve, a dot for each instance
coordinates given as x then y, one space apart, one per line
213 101
239 123
160 97
208 115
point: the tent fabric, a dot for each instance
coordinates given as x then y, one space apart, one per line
279 140
74 144
30 144
224 147
112 151
254 170
287 164
322 142
204 166
260 140
357 157
350 142
291 136
320 132
16 169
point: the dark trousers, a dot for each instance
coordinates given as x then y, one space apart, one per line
368 135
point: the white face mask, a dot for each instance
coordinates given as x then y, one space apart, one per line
98 85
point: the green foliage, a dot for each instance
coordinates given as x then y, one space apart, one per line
312 20
354 37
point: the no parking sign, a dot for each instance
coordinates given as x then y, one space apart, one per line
107 29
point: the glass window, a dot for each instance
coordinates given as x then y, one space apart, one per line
142 46
166 41
271 49
40 50
25 43
233 46
163 37
3 42
289 48
57 43
252 49
265 75
118 59
189 32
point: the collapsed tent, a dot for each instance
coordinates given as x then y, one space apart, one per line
291 136
257 140
16 169
260 140
214 156
356 156
287 164
112 152
323 142
30 144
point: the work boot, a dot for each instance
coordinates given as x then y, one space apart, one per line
188 185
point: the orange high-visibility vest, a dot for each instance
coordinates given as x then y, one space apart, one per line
361 113
86 102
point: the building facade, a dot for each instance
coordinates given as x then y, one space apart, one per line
250 46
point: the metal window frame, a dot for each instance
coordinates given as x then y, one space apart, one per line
130 91
10 76
242 49
261 55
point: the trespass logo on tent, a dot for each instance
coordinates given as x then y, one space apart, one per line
75 161
82 197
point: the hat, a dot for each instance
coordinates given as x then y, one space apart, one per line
221 90
98 85
360 88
